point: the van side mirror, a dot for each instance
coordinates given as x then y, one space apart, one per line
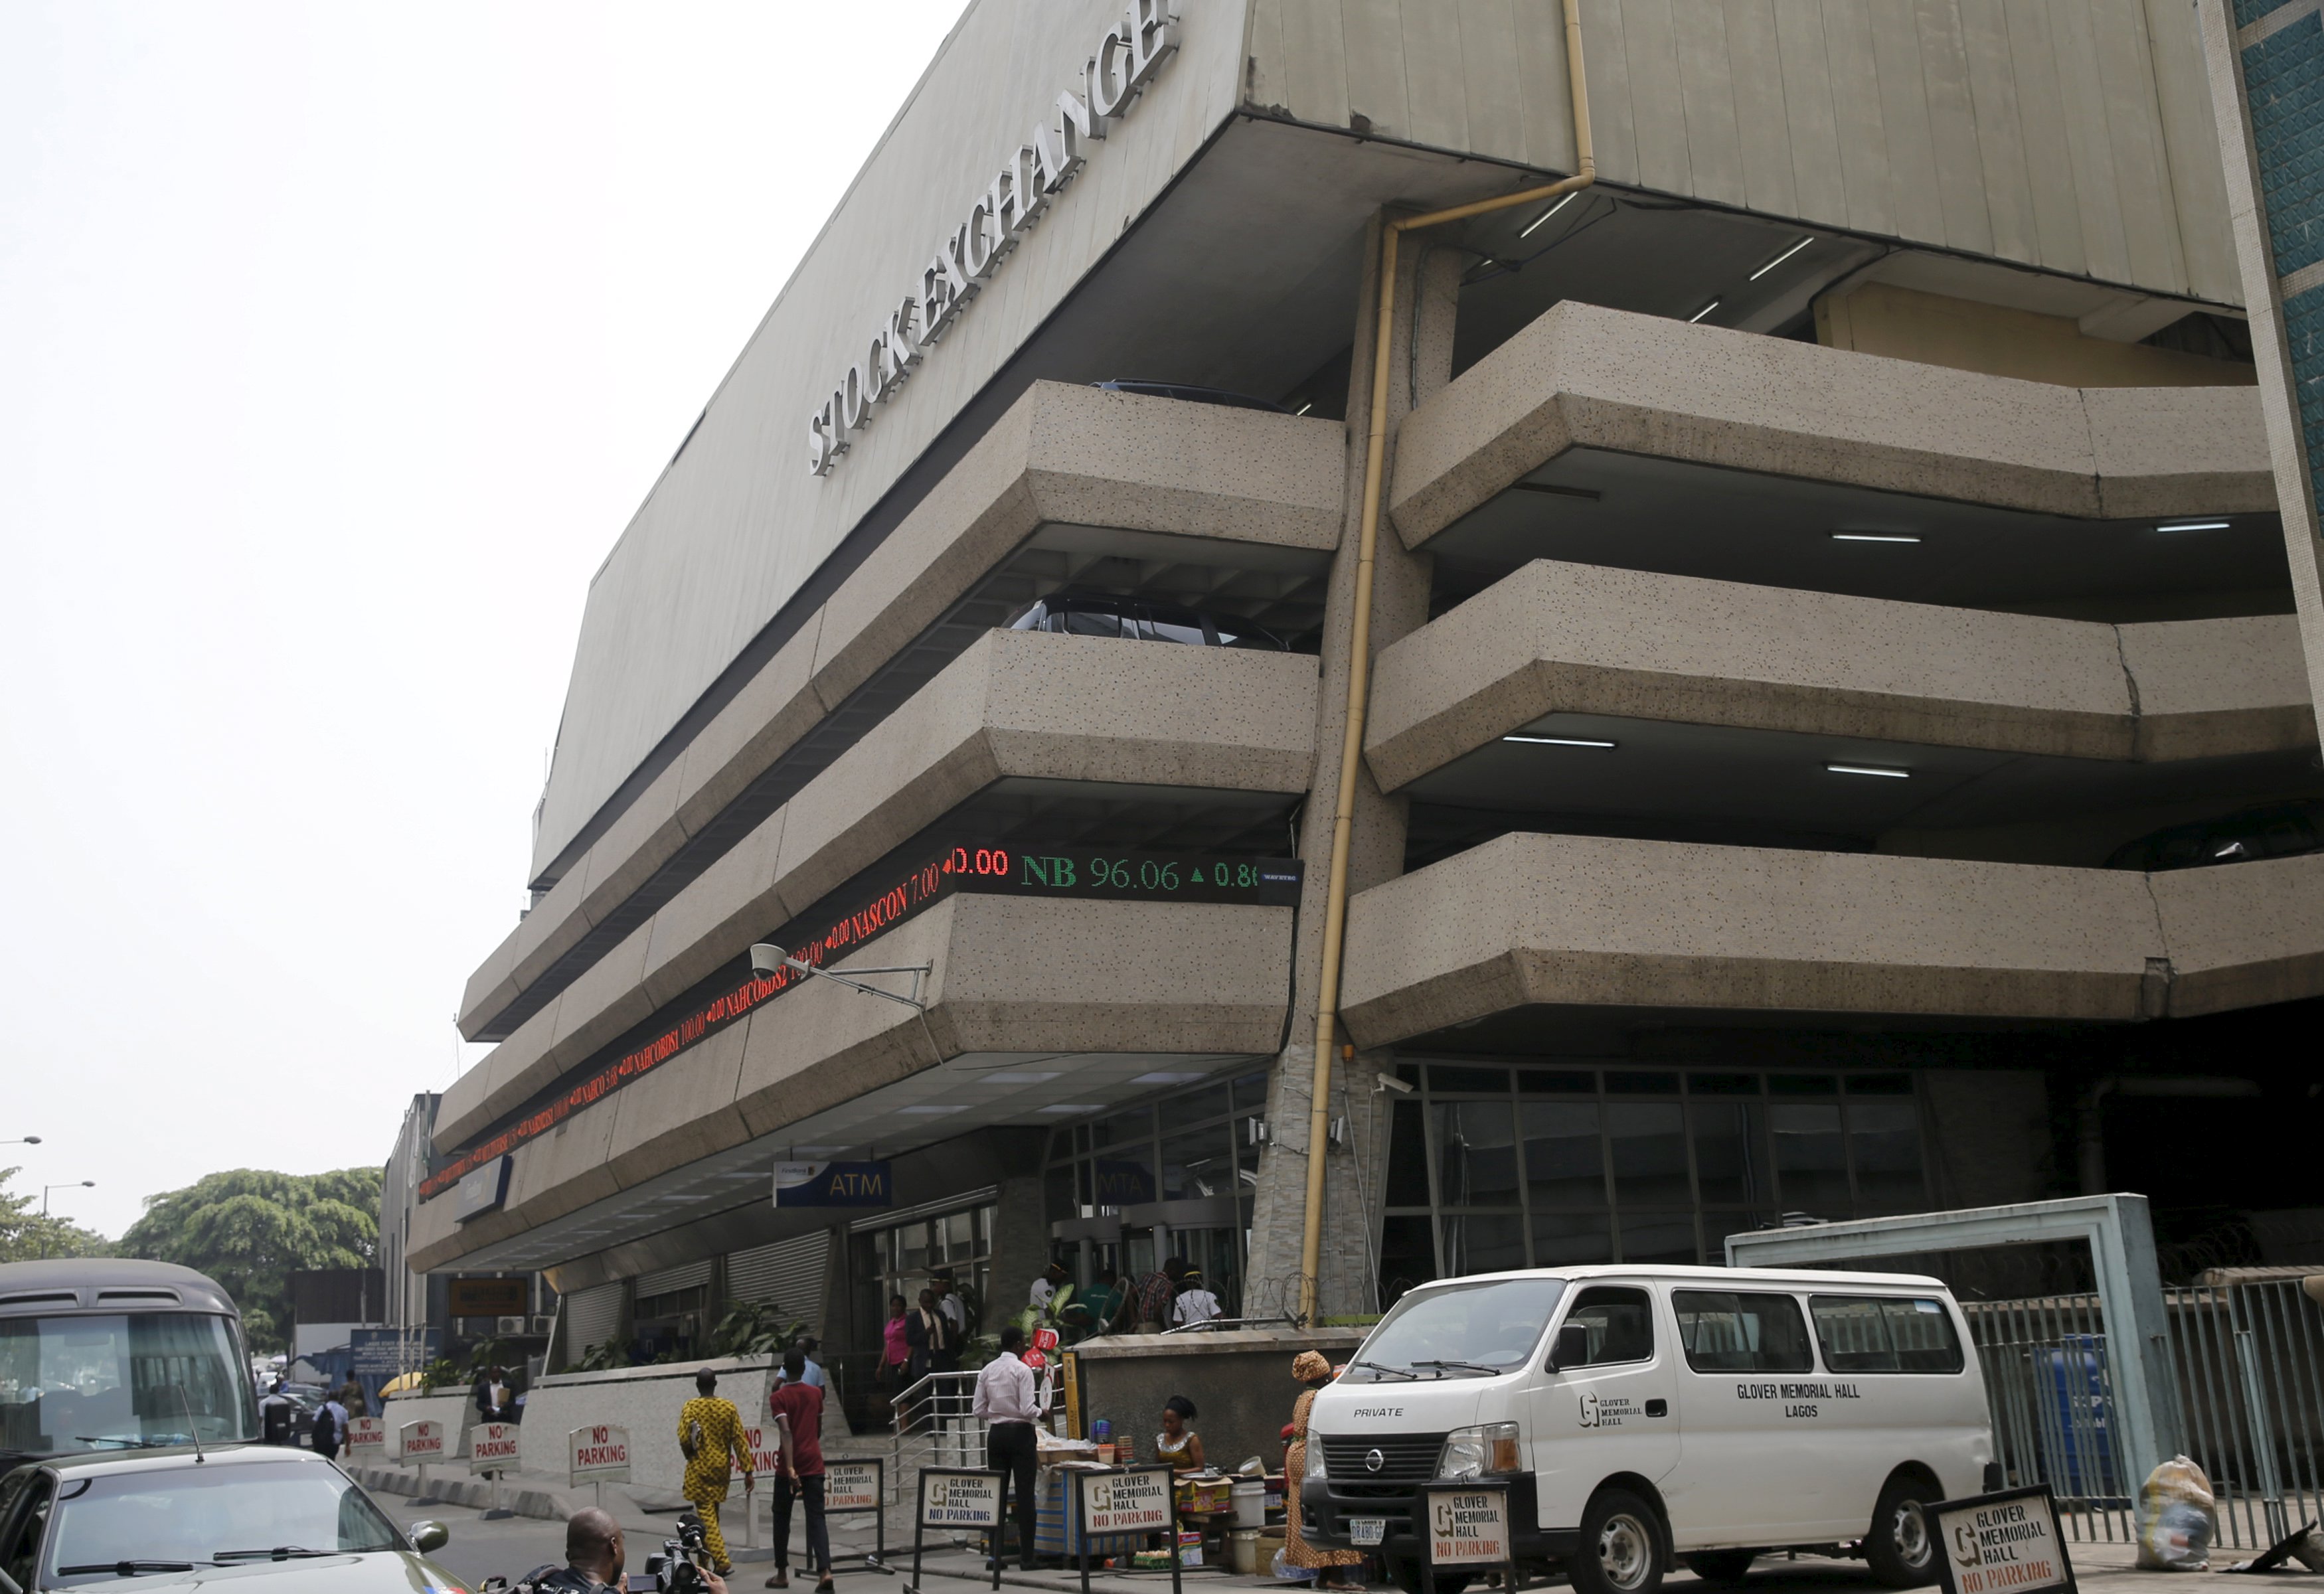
428 1536
1571 1348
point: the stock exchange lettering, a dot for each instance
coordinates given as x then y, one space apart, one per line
982 869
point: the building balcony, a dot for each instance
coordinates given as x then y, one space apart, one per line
1026 720
1036 1009
1235 509
1606 437
1592 922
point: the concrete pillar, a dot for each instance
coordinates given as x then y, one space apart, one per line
1020 1247
1421 362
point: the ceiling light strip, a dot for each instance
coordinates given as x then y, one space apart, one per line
1780 259
1560 741
1890 774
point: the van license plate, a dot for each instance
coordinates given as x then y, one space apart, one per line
1367 1530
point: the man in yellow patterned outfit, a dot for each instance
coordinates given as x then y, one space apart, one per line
710 1431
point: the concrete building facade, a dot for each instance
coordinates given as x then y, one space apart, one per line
1835 735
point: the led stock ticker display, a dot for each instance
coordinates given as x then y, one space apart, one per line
1055 873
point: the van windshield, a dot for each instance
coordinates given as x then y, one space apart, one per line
122 1381
1460 1331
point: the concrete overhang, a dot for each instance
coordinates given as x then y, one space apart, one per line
1586 377
1594 921
1017 706
1560 638
1038 1013
1066 479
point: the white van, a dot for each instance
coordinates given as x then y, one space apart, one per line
1639 1414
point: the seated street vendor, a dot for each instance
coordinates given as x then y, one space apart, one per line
1178 1444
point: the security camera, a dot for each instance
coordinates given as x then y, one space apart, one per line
1391 1083
767 958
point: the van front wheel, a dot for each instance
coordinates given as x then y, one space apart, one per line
1621 1549
1898 1549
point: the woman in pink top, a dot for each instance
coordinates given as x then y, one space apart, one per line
894 1352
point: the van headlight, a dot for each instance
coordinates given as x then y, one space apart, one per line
1487 1450
1314 1456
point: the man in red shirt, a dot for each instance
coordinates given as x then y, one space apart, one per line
798 1409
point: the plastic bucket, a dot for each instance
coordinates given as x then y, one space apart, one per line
1250 1503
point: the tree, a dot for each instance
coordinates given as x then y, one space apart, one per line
25 1234
250 1229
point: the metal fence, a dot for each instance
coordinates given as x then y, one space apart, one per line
2247 1360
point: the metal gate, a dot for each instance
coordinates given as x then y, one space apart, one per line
2247 1363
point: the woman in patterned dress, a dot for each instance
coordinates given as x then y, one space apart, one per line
710 1432
1313 1372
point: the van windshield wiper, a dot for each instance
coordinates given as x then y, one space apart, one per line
126 1569
280 1553
1401 1372
1466 1367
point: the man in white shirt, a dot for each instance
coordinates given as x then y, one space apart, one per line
955 1314
1045 1288
1196 1303
1009 1397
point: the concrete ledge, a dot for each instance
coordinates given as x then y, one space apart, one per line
1015 704
1585 376
1584 920
1062 454
1554 637
1012 975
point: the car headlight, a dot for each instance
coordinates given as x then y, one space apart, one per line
1314 1455
1486 1450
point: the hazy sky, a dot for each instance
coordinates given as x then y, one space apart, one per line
337 344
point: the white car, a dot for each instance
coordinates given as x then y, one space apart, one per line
1639 1414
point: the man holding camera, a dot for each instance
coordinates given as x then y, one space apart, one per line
594 1556
709 1433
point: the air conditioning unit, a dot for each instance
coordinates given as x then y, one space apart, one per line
508 1325
541 1325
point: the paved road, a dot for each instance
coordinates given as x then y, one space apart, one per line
510 1548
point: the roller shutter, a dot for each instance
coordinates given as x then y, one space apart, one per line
670 1280
789 1273
592 1317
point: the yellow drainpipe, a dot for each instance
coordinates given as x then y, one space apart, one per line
1360 659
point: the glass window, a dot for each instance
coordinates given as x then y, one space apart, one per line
1175 630
1732 1331
1494 1324
1809 1160
1565 1165
1723 1084
197 1514
1620 1320
1476 1154
1571 1240
74 1384
1124 1127
1488 1081
1086 623
1484 1242
1123 1177
1658 1237
1884 1137
1730 1152
1195 1104
1197 1165
1648 1140
1556 1082
1251 1092
1407 1255
1642 1084
1884 1334
1406 1176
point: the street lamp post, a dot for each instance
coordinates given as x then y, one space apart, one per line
68 1185
26 1140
